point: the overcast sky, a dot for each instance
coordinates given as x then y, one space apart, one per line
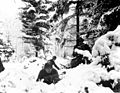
9 8
9 14
10 23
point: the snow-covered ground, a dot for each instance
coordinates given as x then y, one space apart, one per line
21 77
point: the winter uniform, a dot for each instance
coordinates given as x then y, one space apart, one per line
51 63
80 58
50 76
106 83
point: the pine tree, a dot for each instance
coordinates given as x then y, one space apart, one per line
36 24
87 8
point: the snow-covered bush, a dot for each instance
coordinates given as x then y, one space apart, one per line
108 44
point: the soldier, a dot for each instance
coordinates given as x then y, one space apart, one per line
52 62
48 74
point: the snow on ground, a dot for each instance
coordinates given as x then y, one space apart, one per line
62 62
76 80
21 76
20 79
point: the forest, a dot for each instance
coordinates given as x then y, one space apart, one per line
84 36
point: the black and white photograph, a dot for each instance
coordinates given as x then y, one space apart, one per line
59 46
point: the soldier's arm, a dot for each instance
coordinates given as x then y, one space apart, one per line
56 65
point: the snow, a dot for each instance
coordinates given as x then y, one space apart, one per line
21 76
17 77
31 8
106 44
85 53
71 12
20 79
62 62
